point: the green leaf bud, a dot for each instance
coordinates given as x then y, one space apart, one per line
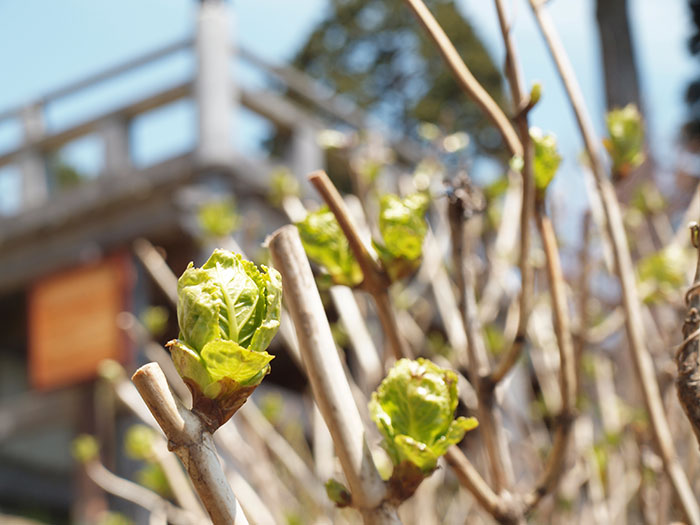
338 493
228 311
414 409
85 448
546 159
625 142
403 227
325 244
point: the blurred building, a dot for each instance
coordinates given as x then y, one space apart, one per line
67 265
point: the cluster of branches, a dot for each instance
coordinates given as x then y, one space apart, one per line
607 442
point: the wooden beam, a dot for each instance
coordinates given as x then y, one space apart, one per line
26 412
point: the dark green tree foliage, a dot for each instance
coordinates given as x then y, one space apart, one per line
376 54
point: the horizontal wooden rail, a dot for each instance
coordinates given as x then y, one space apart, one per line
53 141
106 74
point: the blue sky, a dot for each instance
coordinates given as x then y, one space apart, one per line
46 44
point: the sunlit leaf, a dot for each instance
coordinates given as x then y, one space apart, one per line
625 142
661 274
228 312
325 243
535 93
218 218
138 442
85 448
403 227
414 409
546 158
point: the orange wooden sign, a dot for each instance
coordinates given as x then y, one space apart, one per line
72 322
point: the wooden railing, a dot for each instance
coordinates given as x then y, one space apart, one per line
215 95
114 126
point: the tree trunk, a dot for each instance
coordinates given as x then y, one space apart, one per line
619 65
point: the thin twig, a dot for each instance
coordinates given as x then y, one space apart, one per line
376 282
157 268
327 378
135 493
583 289
501 251
229 441
113 374
129 396
177 480
192 443
567 363
465 78
520 99
470 479
478 358
283 451
624 269
370 366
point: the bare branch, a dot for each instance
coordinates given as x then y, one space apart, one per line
376 282
157 268
470 479
135 493
465 78
458 209
520 99
567 363
327 378
188 438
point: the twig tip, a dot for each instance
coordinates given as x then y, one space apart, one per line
694 233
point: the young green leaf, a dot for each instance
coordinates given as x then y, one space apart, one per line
85 448
403 227
546 159
414 409
535 93
155 320
325 243
625 142
138 442
338 493
282 185
228 312
113 518
218 218
152 477
661 274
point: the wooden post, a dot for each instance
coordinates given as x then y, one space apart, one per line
35 189
214 90
115 137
